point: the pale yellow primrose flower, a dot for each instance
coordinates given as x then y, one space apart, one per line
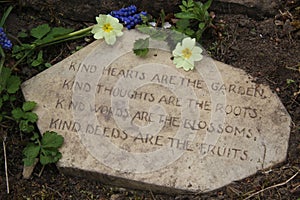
186 54
107 27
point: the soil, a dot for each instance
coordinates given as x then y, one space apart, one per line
267 48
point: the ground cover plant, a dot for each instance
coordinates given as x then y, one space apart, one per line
266 48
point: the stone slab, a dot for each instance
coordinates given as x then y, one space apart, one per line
141 123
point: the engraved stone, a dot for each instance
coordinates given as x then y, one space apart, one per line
142 123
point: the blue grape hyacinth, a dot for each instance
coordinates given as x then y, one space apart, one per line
128 16
4 41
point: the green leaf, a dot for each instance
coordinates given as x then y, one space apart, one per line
199 34
141 47
31 117
56 32
141 52
159 35
28 105
176 37
31 151
144 18
4 76
48 65
17 113
12 98
24 47
53 157
39 60
201 25
154 33
22 34
5 15
1 102
200 11
5 97
207 5
25 126
182 8
35 137
189 32
29 161
59 31
146 29
40 31
51 139
190 3
288 81
162 16
182 24
13 84
185 15
36 63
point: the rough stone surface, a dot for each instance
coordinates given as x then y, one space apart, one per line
142 123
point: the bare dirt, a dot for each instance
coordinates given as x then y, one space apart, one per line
268 48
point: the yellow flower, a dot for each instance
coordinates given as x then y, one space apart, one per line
107 27
186 54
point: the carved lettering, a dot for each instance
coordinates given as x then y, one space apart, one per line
131 74
69 125
170 100
74 66
76 85
143 116
253 90
149 139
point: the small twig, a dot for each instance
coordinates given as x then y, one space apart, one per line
54 190
273 186
270 80
41 172
152 195
294 189
54 59
5 165
234 190
294 67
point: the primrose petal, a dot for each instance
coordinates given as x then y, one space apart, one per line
188 42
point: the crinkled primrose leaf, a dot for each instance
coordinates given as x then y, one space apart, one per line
9 82
46 149
51 140
31 151
50 143
40 31
28 106
141 47
25 117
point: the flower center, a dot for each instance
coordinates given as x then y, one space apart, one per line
107 28
187 53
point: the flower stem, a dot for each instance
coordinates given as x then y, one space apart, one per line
20 60
2 59
71 36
